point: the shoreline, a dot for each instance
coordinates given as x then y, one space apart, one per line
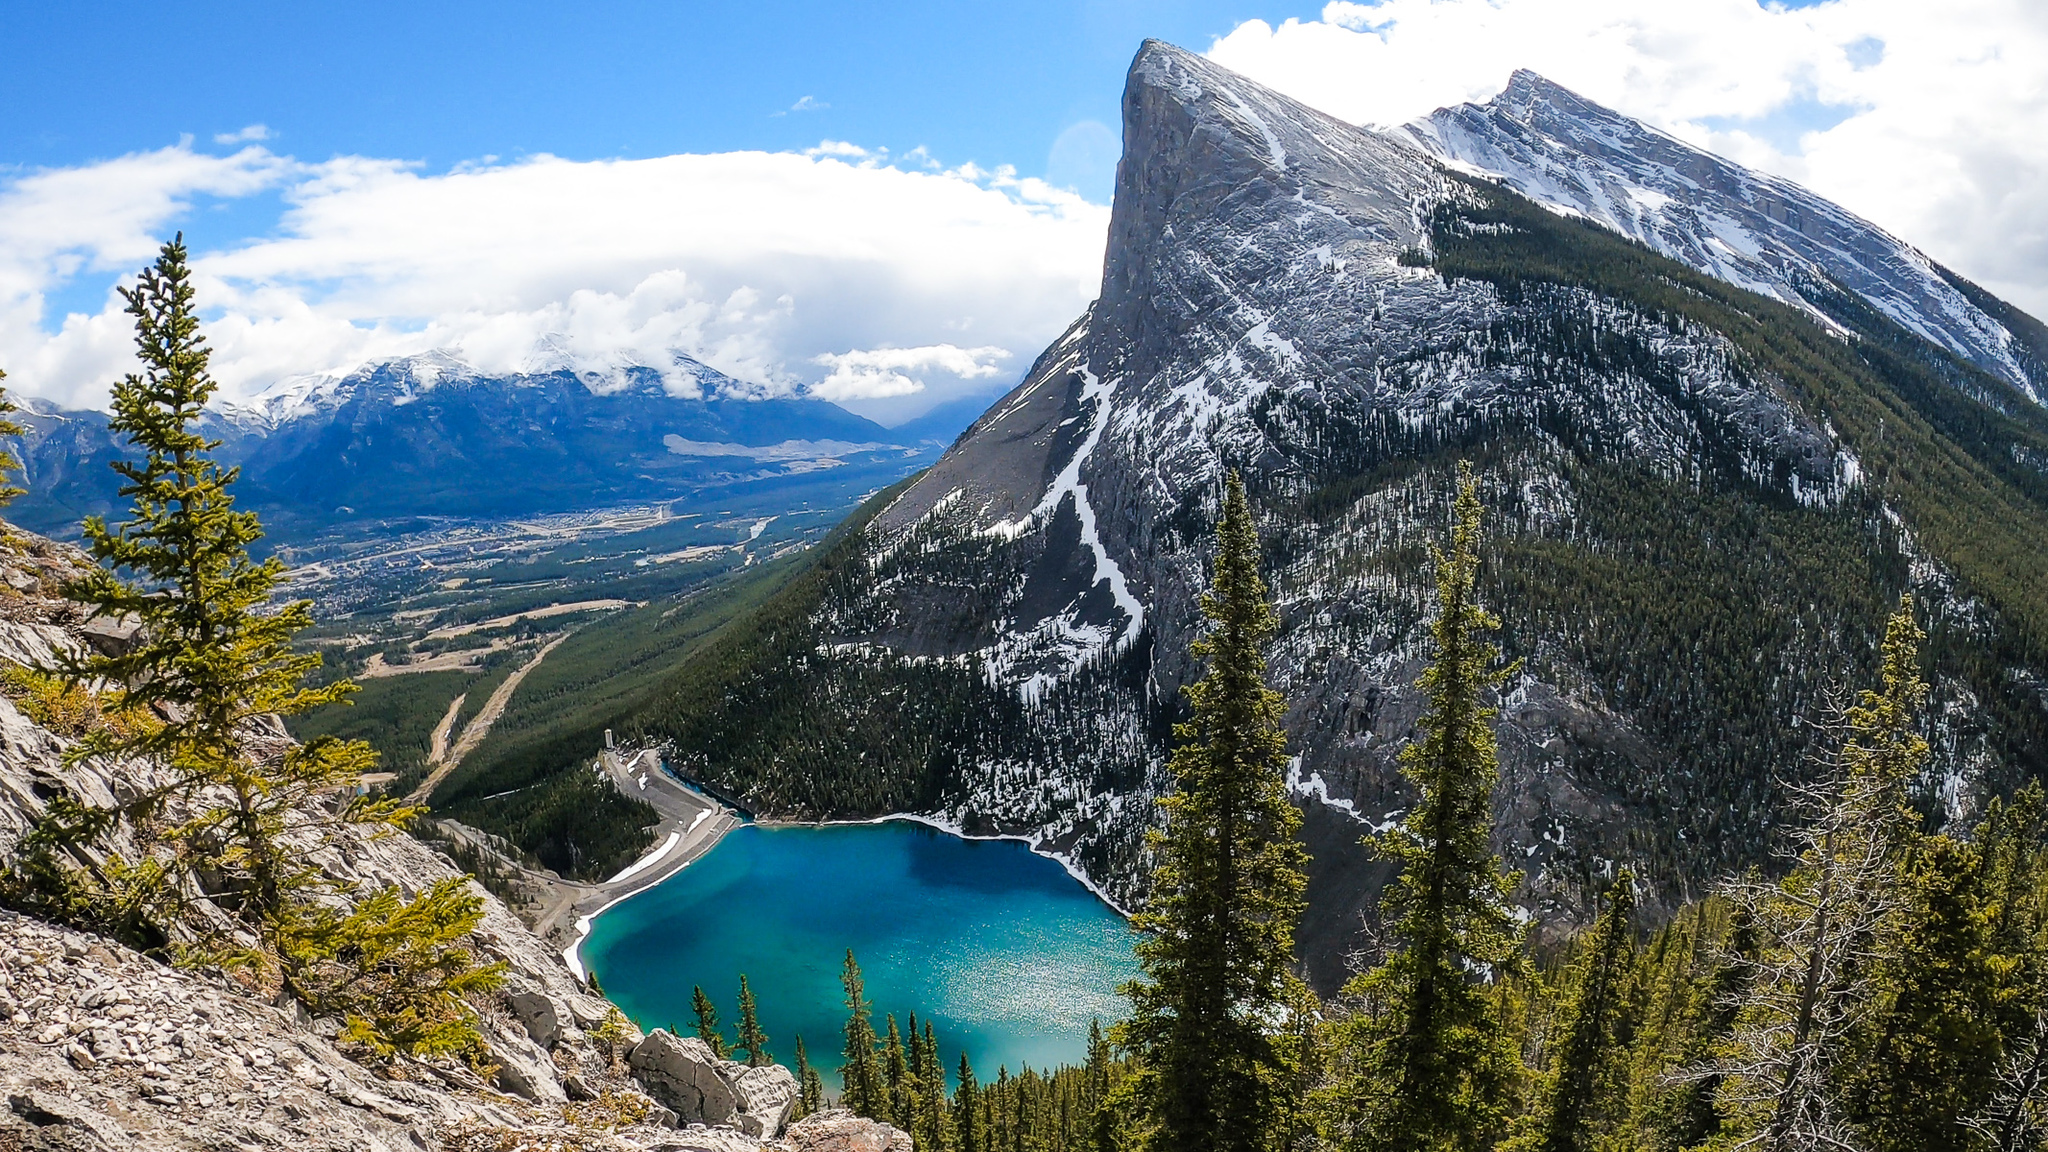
687 810
949 828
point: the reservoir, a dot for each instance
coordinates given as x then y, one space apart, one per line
1006 954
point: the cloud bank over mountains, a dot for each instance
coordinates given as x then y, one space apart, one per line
890 283
832 272
1925 119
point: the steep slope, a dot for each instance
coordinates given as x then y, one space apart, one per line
1746 227
1704 501
431 436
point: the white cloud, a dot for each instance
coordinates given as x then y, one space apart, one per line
808 104
252 133
758 263
877 372
1924 119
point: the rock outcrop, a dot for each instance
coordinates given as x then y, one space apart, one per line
688 1078
104 1048
837 1130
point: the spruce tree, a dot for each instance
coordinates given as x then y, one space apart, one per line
1584 1094
753 1041
9 464
212 666
1431 1063
969 1135
1824 928
1927 1055
1228 889
860 1078
896 1075
707 1021
932 1120
810 1087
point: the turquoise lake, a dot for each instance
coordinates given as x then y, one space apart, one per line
1008 956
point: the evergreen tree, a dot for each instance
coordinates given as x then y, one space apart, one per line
2014 842
861 1086
969 1135
1228 889
212 665
753 1041
1824 928
810 1089
930 1131
1431 1063
707 1021
1927 1054
896 1074
8 462
1584 1094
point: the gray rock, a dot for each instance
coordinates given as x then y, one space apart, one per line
682 1074
767 1096
838 1130
537 1012
110 635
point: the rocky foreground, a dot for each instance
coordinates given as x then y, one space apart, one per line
104 1048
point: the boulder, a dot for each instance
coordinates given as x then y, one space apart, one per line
524 1068
537 1013
683 1074
767 1095
111 635
838 1130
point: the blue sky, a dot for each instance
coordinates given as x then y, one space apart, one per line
444 83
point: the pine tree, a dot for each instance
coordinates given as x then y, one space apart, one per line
753 1041
860 1078
1431 1062
810 1087
968 1133
213 664
9 464
1228 890
2014 841
1584 1095
896 1074
1927 1055
1823 929
930 1131
707 1021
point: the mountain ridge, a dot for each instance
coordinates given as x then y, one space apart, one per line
1746 227
433 436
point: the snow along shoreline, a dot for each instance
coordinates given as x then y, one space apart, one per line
573 954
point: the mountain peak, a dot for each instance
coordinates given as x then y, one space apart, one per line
1749 228
1203 145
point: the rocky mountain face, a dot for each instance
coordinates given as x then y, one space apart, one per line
1703 502
1742 226
102 1048
431 436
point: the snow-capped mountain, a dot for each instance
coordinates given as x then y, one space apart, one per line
1751 229
434 435
401 380
1703 503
